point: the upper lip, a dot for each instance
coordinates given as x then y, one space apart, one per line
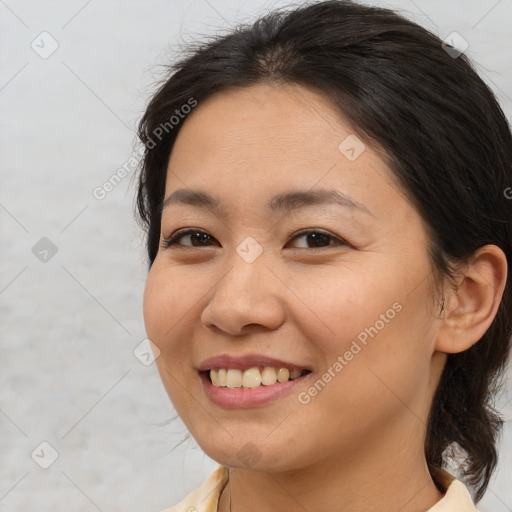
247 361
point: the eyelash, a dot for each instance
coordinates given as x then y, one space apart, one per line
172 240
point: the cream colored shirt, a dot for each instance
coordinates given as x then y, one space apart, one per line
206 497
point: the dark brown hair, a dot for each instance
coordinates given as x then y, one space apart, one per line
442 133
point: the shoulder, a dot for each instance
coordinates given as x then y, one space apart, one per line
206 497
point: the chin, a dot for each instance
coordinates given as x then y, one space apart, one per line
250 454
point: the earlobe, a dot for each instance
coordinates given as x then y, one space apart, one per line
470 307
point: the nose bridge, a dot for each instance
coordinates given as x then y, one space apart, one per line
249 265
246 294
248 270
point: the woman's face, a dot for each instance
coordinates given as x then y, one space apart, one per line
350 302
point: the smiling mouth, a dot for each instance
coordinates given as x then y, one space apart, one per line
252 377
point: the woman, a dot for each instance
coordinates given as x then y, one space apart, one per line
328 234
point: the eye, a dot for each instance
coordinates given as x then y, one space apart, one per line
196 237
317 239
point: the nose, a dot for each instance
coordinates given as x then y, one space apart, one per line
247 297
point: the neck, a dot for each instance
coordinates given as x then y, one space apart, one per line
380 478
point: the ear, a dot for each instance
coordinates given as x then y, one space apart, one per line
470 306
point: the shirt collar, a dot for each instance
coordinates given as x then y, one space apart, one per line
205 498
457 497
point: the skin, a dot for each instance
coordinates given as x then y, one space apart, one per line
358 444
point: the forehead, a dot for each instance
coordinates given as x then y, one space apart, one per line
265 139
267 128
281 117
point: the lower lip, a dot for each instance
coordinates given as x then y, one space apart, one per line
241 398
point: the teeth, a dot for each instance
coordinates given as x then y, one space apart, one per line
295 373
268 376
234 378
283 375
252 377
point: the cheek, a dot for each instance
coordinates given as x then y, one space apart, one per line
167 287
153 308
166 301
166 304
369 330
343 301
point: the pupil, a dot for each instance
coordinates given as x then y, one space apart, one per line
200 237
317 238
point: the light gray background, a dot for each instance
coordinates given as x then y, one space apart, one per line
69 325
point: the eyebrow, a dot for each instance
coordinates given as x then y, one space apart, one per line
285 202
